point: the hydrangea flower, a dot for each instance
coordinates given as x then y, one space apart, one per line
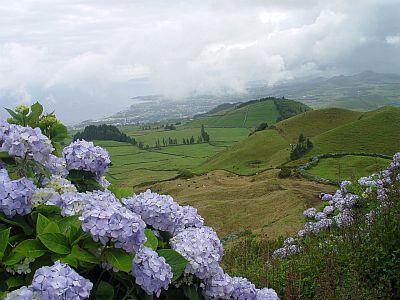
23 293
267 294
219 286
285 251
328 210
163 213
326 197
344 218
60 282
113 223
27 142
243 289
320 216
60 184
151 271
83 155
21 267
310 213
201 248
15 195
47 196
56 165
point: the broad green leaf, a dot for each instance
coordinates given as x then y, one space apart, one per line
18 221
75 235
55 242
175 260
41 223
14 282
104 291
119 259
152 241
15 115
48 210
30 248
192 292
13 258
58 132
67 259
4 236
4 154
36 111
83 255
52 227
67 222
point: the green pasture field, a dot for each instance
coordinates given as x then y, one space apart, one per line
349 167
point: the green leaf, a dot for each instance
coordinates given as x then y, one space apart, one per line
119 259
83 255
41 223
14 282
4 154
52 227
192 292
67 259
152 241
4 236
15 115
30 248
58 132
13 258
18 221
67 222
48 210
55 242
175 260
104 291
36 111
76 234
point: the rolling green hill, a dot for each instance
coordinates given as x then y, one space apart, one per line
330 130
250 114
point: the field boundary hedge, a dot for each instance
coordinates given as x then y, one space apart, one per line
302 170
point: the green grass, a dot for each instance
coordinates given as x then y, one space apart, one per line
331 130
248 116
349 167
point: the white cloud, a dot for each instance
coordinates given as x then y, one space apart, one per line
87 48
393 40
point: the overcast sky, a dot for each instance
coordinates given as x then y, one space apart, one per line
87 58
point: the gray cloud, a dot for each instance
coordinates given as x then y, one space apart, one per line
80 57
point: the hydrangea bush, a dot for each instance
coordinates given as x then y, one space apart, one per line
64 235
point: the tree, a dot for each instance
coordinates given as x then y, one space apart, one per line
204 134
192 140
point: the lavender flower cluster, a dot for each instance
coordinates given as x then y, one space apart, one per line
83 155
341 205
57 282
15 195
163 213
151 271
25 142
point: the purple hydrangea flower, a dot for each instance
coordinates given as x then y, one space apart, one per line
15 195
218 286
320 216
60 282
27 142
202 248
328 210
83 155
163 213
344 218
326 197
23 293
243 289
310 213
267 294
151 271
111 222
56 165
285 251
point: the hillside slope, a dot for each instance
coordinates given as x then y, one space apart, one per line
330 130
250 114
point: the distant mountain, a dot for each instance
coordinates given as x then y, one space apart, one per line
364 91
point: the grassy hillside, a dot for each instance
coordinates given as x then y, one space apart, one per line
250 114
330 130
262 203
377 131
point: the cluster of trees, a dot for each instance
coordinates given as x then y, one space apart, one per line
288 108
204 137
170 127
103 132
303 145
